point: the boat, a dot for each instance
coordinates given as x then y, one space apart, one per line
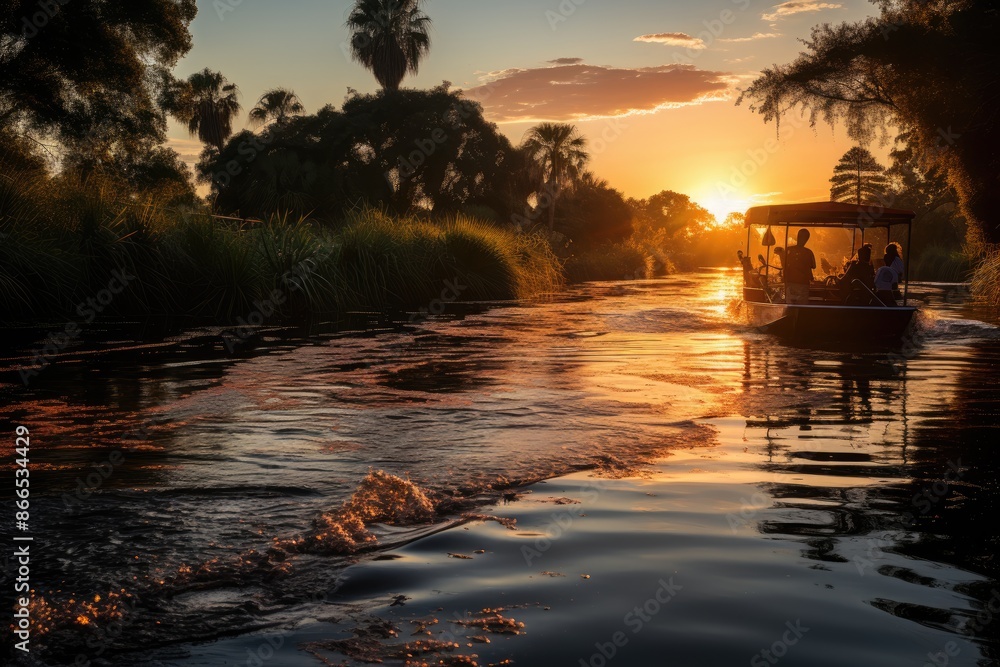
826 317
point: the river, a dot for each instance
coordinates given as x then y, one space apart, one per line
686 491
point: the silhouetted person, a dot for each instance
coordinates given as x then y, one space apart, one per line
885 277
779 254
747 264
894 251
799 264
860 269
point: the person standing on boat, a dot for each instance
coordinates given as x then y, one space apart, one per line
799 264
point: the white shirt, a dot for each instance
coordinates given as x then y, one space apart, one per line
884 278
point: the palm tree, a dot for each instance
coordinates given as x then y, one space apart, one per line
858 178
389 37
208 103
276 104
556 152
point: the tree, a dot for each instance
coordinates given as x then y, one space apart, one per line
670 223
595 214
672 213
557 155
89 67
858 178
891 69
276 104
207 102
408 150
389 37
148 169
939 230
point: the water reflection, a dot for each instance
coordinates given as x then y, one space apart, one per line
228 460
882 467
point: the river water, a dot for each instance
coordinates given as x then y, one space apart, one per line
813 506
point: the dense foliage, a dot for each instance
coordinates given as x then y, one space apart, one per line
89 71
929 67
405 151
66 240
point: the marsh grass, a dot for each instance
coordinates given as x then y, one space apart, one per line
986 279
935 264
396 262
622 261
63 241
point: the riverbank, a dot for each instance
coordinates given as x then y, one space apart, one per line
78 251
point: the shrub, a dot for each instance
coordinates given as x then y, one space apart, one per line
620 261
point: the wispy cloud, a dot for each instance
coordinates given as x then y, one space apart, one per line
189 150
581 92
681 39
787 9
566 61
752 38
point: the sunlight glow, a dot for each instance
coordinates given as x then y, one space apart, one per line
720 205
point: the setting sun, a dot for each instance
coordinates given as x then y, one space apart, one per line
721 206
487 333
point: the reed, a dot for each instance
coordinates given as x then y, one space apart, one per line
64 240
986 279
621 261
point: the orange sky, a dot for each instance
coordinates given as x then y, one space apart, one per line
651 83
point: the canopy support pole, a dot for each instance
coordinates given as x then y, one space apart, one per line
906 284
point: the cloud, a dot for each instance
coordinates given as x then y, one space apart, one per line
798 7
582 92
737 61
566 61
189 150
681 39
753 37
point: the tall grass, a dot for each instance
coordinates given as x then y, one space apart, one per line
62 242
986 279
944 265
396 262
622 261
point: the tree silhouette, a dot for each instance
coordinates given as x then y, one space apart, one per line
556 154
276 104
323 165
89 69
208 103
389 37
595 213
890 70
858 178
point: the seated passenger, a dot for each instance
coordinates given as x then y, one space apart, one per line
885 277
751 278
894 250
779 254
862 270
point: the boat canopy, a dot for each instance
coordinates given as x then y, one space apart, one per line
827 214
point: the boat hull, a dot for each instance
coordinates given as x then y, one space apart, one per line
851 323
